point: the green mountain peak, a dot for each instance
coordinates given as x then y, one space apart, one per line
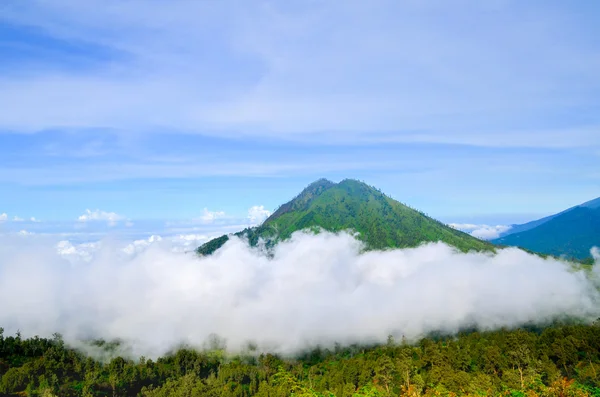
302 200
381 222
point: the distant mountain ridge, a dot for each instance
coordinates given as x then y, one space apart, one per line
593 204
571 233
381 222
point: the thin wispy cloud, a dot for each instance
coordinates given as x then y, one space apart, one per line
100 97
395 71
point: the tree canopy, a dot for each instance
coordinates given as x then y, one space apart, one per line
562 360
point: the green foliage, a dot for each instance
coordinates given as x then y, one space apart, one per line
212 245
562 360
350 205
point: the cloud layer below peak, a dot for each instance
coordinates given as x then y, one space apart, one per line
315 289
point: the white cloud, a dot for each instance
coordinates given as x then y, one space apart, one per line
490 232
77 252
187 242
483 232
346 296
464 226
19 219
96 215
3 217
257 214
87 251
141 245
191 237
183 168
211 216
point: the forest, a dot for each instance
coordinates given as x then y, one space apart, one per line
558 360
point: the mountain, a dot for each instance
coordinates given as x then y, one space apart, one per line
571 233
593 204
381 221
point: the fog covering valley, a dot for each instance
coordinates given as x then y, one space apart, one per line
314 290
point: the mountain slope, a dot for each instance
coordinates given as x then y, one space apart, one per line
352 205
593 204
572 234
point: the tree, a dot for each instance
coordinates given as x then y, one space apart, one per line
384 372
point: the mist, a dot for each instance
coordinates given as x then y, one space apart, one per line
314 289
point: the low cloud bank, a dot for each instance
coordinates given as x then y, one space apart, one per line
483 232
315 289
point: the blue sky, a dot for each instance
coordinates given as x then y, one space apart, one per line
484 112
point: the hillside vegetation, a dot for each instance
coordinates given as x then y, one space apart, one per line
558 361
380 221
